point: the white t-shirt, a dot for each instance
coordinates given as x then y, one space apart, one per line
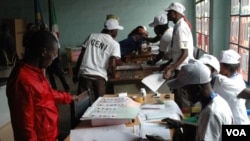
165 42
211 119
99 48
182 39
229 88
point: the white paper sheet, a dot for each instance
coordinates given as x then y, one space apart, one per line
154 81
106 133
171 111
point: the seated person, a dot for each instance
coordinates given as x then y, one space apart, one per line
134 41
195 79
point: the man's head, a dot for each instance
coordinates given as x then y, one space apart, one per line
112 25
42 47
211 61
229 62
192 77
175 11
160 24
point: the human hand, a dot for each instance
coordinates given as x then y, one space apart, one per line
154 138
172 123
168 74
75 98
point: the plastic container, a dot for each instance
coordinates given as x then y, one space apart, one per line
144 94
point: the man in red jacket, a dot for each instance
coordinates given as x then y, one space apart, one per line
32 101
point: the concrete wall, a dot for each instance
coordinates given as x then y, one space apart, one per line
78 18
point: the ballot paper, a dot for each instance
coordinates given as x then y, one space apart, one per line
111 111
106 133
154 81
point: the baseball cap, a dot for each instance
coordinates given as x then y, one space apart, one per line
211 60
111 24
176 6
192 73
159 20
229 57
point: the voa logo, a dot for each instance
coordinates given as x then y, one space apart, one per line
236 132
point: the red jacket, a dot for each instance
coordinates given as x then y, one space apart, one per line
32 103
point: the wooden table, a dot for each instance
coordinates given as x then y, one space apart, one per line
132 73
142 57
150 99
129 76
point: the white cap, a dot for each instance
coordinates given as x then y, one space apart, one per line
176 6
229 57
112 24
208 59
159 20
192 73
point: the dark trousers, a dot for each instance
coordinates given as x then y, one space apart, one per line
95 83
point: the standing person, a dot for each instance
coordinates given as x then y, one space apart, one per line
195 79
98 59
56 69
162 30
32 102
7 42
181 47
229 64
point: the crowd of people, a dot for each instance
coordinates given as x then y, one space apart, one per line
215 83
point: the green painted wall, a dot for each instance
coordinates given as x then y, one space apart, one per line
219 26
78 18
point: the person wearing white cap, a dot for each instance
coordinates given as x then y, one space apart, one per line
195 79
213 64
162 30
98 59
230 85
181 46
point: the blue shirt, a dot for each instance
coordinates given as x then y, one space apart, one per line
129 45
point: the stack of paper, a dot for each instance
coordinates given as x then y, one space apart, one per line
112 111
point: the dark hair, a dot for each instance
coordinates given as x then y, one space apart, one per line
37 41
231 67
135 31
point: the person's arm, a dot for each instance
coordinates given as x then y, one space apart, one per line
78 64
245 94
154 39
170 69
172 123
157 58
112 67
